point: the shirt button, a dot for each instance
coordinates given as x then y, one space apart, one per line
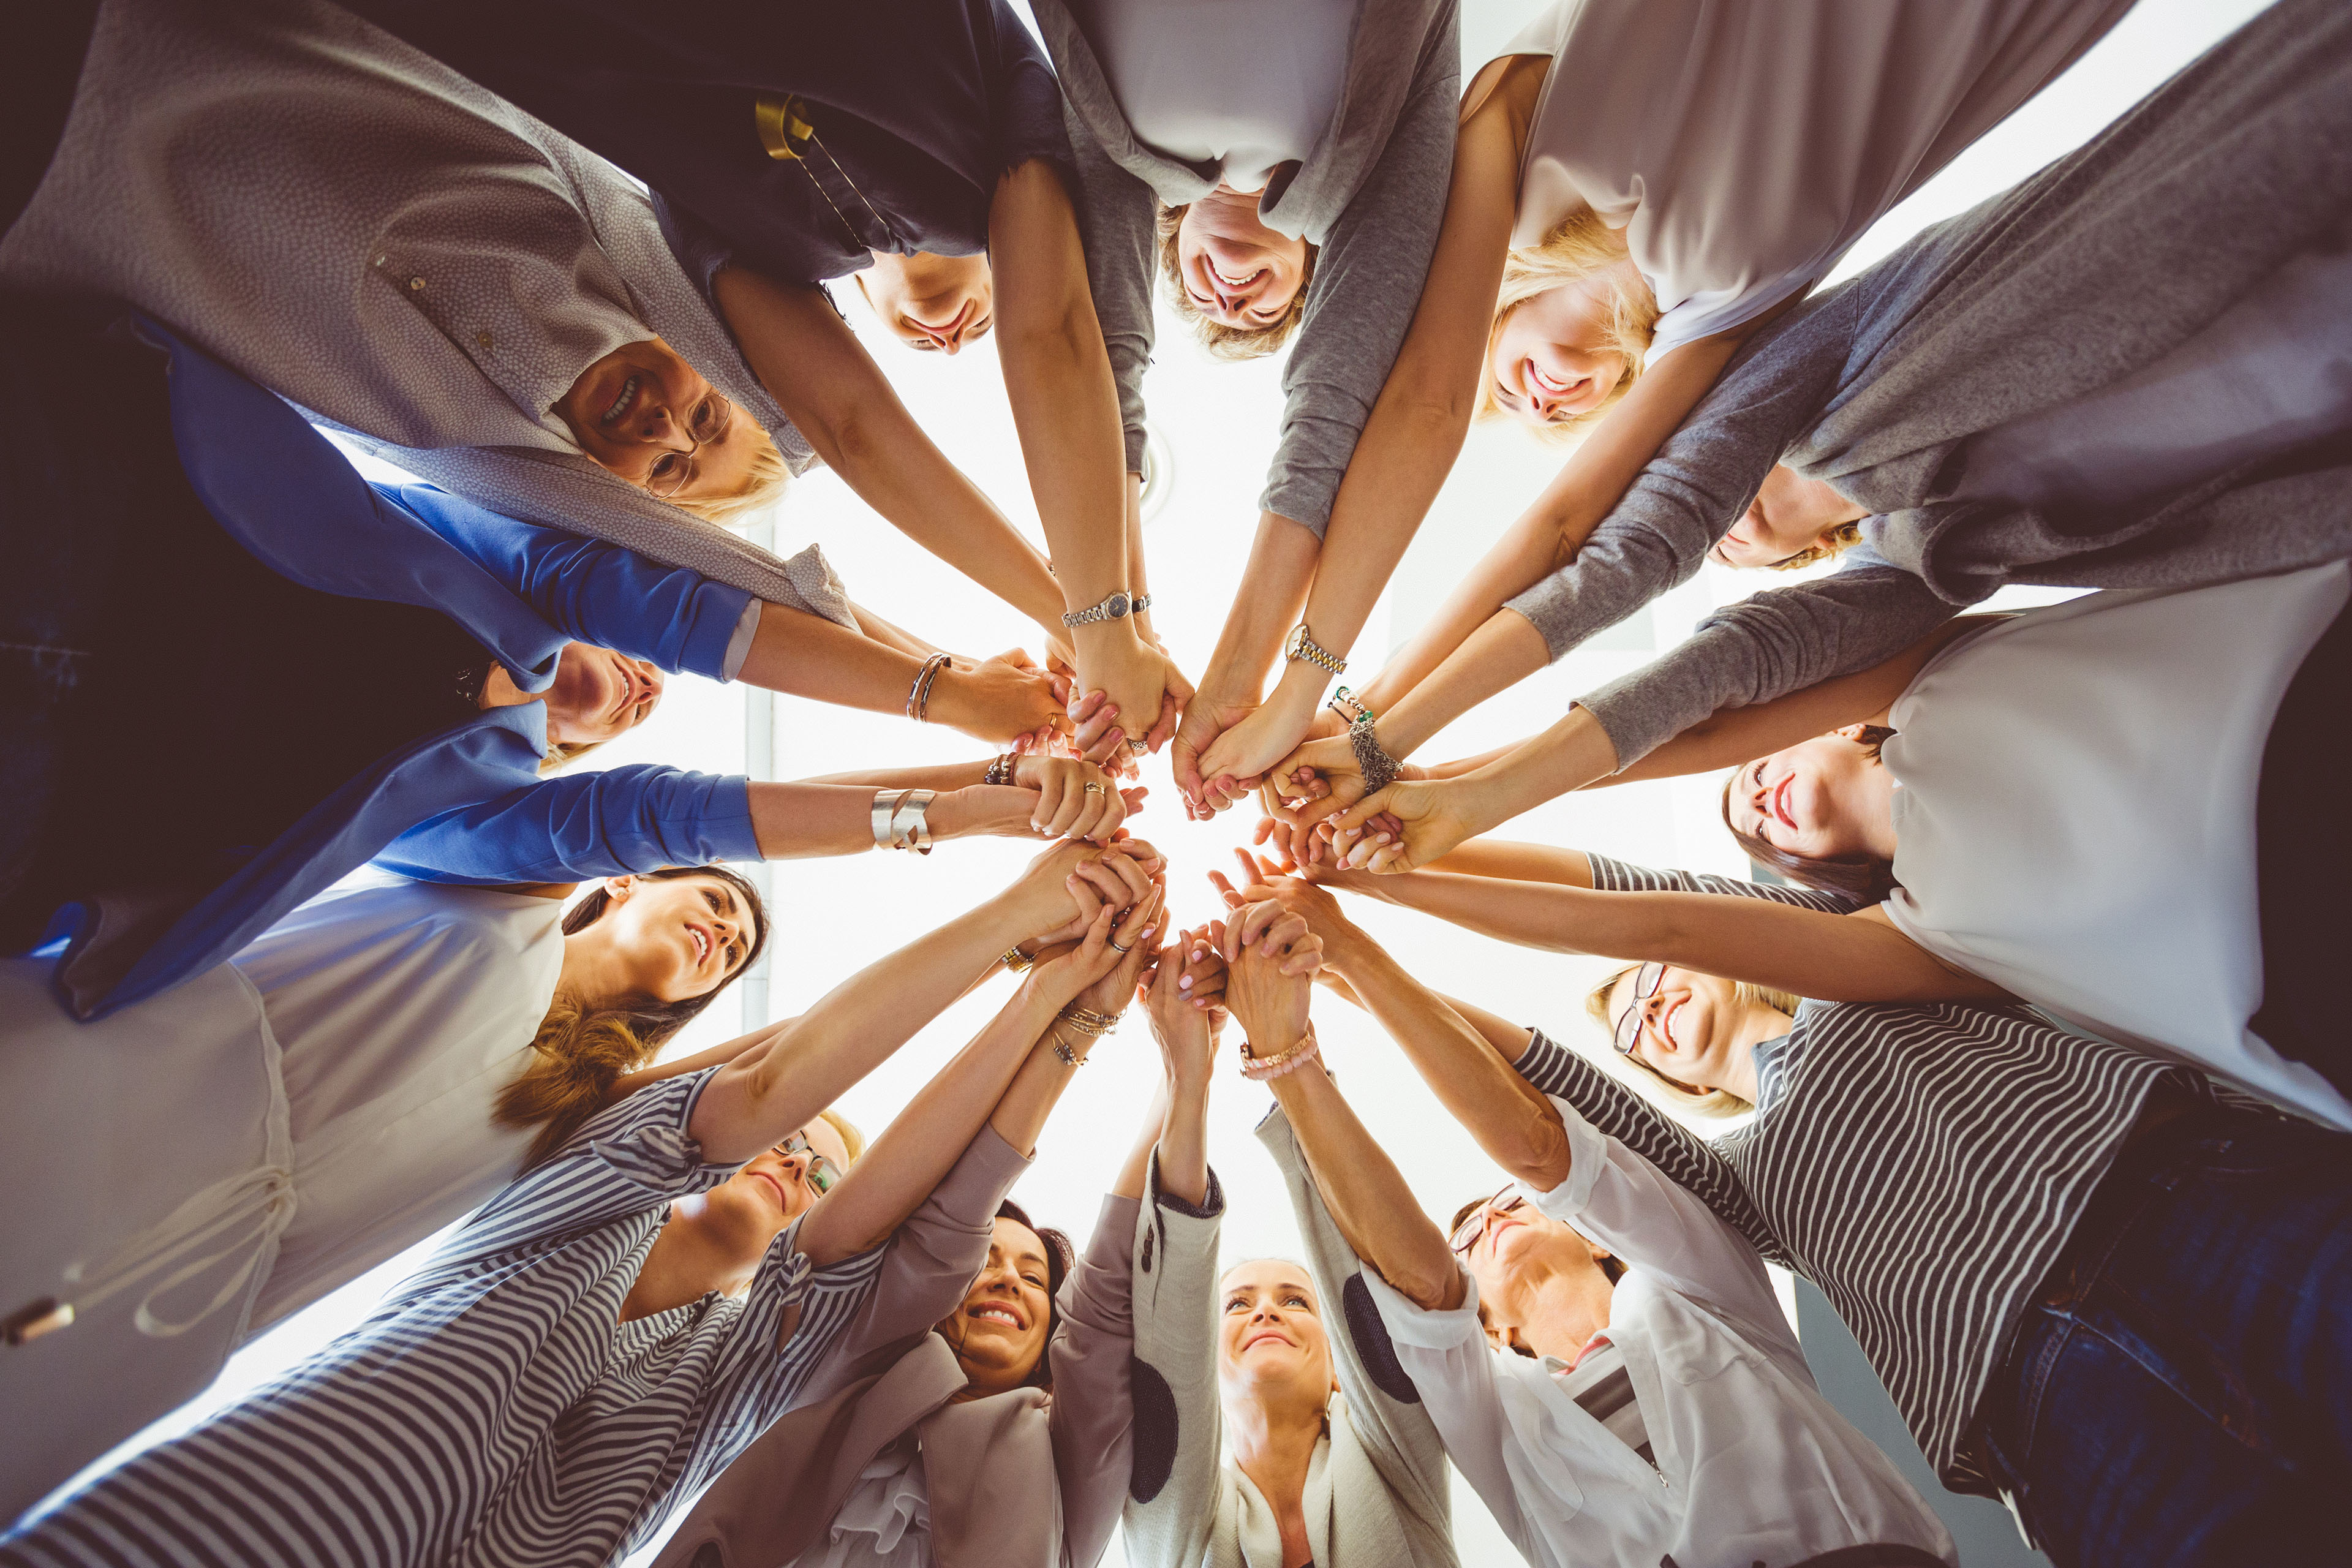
414 283
483 339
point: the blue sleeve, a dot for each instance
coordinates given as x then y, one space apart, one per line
590 590
603 823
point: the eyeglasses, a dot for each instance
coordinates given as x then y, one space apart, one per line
1466 1234
1647 981
819 1171
713 417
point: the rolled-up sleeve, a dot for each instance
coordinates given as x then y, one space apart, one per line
607 822
592 590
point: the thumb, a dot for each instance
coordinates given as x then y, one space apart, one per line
1364 810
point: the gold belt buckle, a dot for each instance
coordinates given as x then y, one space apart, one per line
784 126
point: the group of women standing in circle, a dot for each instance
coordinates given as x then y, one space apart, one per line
2043 1076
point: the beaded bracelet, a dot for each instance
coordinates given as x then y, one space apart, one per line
1089 1021
1062 1049
1000 772
1282 1063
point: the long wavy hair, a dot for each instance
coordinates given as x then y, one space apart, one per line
583 1049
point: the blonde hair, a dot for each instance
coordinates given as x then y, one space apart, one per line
763 482
1580 248
561 755
1836 542
1224 341
852 1139
1714 1102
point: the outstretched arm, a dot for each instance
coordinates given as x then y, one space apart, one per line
823 378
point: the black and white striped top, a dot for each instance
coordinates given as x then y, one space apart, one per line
495 1410
1921 1166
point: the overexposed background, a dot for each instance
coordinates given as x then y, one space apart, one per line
1219 423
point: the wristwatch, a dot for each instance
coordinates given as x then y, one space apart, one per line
1114 608
1137 605
1302 646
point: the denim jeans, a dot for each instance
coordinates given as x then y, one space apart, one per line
2180 1392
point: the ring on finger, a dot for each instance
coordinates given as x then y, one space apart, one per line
1091 787
1117 945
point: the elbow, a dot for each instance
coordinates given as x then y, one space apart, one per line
1535 1152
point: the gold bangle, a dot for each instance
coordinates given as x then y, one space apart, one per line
1017 961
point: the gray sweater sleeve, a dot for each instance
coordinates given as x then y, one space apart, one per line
1767 647
1116 220
1688 496
1367 284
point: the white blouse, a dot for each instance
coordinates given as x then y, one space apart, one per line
2075 819
1233 83
1743 148
885 1520
1751 1463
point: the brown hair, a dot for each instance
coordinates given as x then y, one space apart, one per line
581 1051
1224 341
1836 542
1579 248
1864 877
1704 1102
763 482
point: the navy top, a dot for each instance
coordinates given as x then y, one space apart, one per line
916 109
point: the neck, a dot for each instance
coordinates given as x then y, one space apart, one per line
1274 1444
1761 1022
680 1266
591 974
500 692
1566 1309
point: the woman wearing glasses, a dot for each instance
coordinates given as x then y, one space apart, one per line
1603 1357
994 1365
1334 1461
475 299
1992 1204
625 1319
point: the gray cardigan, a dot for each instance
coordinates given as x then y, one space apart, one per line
2106 263
1371 195
381 243
1378 1494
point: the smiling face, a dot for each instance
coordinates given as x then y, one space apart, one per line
1236 271
1789 515
646 416
999 1332
599 694
1520 1251
1271 1344
1552 357
1828 799
1689 1029
936 303
669 938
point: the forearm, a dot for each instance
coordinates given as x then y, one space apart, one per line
1470 1076
1365 1193
1020 1115
924 1142
1273 594
1515 861
1184 1141
891 635
1136 1170
895 468
1571 754
1057 377
1498 656
817 817
1529 551
767 1094
808 656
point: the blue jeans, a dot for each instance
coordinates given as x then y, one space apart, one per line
2181 1391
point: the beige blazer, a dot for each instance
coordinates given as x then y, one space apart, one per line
1017 1480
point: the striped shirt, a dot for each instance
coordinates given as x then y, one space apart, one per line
1921 1166
1602 1384
494 1410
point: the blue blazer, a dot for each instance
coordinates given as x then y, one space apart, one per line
465 805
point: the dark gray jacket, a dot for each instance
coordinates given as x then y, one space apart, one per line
1371 195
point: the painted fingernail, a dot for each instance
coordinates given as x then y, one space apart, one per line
1147 932
1185 983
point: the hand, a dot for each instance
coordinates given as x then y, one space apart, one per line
1243 752
1309 785
1133 676
1074 799
1432 816
1001 700
1057 897
1058 980
1262 884
1135 931
1207 717
1268 992
1095 736
1187 988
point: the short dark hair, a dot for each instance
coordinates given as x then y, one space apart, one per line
1060 1258
1864 877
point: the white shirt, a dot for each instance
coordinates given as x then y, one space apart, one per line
885 1520
1743 148
1234 84
1752 1462
2091 849
400 1009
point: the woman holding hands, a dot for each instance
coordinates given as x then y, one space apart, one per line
639 1306
1604 1359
